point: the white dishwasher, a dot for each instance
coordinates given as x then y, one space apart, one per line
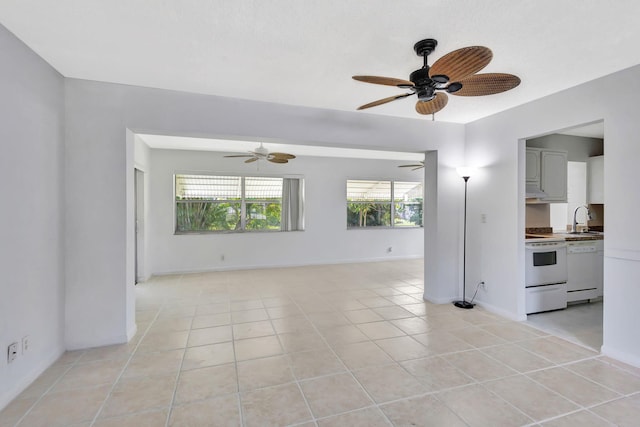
583 270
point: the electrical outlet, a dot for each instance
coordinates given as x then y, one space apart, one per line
26 344
12 352
483 286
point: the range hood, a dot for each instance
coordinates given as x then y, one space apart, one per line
533 191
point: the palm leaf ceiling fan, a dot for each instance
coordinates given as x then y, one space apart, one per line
261 153
454 73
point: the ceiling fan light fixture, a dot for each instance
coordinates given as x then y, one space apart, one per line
426 94
440 78
454 87
261 151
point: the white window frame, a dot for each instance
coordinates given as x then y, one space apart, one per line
392 201
243 202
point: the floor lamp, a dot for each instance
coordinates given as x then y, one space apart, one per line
465 173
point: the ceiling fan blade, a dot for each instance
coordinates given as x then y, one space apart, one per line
240 155
251 160
419 167
462 63
278 160
411 166
282 155
487 84
389 81
433 106
383 101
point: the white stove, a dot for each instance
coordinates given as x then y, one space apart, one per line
545 274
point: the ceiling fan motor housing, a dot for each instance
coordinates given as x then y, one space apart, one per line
425 87
261 151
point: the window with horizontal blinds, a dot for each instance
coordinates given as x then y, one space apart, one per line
218 203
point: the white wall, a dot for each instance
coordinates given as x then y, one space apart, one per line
99 250
324 240
31 236
497 252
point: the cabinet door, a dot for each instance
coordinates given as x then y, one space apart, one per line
553 178
533 165
595 180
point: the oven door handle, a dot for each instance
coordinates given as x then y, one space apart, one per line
546 247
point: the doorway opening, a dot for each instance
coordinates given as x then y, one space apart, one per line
139 227
572 210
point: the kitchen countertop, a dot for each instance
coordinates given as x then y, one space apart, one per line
567 237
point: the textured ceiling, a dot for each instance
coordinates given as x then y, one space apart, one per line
303 52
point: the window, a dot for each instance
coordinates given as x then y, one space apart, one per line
212 203
407 206
384 204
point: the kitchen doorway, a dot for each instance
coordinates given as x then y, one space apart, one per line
139 227
582 320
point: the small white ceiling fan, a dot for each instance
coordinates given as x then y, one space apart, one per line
262 153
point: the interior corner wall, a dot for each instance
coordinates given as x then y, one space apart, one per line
496 249
99 209
32 233
444 198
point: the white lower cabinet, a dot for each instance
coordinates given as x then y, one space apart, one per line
546 298
585 268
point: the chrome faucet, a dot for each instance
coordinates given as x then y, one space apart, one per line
574 228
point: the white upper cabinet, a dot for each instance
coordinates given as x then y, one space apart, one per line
553 175
533 165
595 180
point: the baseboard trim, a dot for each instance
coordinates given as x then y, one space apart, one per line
287 265
83 345
434 300
622 356
132 332
501 312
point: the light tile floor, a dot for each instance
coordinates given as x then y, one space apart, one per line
340 345
580 323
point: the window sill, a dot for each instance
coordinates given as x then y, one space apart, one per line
198 233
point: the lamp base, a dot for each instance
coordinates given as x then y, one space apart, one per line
463 304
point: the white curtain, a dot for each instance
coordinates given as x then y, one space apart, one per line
292 204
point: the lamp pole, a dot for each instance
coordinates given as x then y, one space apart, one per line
464 172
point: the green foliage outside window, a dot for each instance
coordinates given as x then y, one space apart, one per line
369 204
408 214
207 216
263 215
364 214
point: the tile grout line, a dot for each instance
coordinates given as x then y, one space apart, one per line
285 355
179 373
124 368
